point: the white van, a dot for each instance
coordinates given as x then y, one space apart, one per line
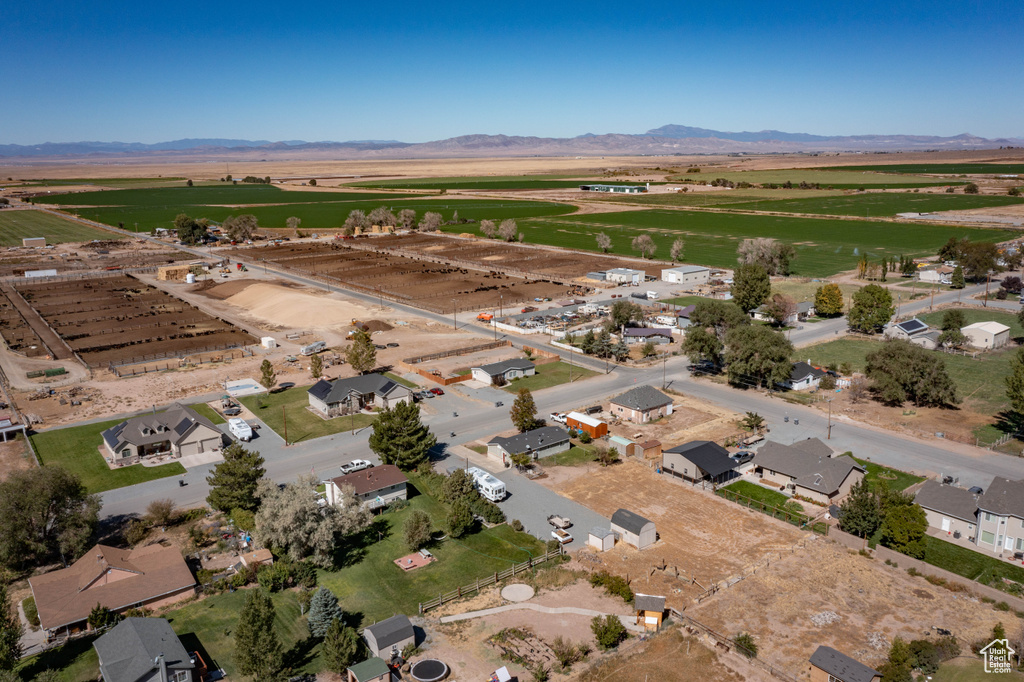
314 348
239 429
488 486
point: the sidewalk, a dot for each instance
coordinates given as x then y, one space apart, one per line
33 641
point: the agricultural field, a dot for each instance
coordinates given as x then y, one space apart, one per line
113 183
825 178
823 246
885 204
943 168
17 224
494 182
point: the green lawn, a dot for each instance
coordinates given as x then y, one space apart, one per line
759 493
405 382
77 449
549 375
290 405
684 300
573 457
208 412
894 478
970 564
972 315
76 661
498 182
15 225
886 204
969 670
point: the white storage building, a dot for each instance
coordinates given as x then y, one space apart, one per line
686 274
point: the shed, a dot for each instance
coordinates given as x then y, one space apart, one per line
624 276
619 443
829 665
987 335
389 635
33 241
634 529
268 342
601 539
650 610
371 670
650 449
578 421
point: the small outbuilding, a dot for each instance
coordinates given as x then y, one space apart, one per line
371 670
649 449
829 665
650 610
601 539
34 241
389 636
634 529
624 276
987 335
577 421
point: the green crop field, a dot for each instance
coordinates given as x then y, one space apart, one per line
823 246
943 168
838 179
210 195
14 225
109 182
887 204
499 182
751 196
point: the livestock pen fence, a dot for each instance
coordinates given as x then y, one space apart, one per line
79 275
492 579
159 362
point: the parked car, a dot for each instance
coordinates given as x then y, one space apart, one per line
742 457
562 536
428 394
437 391
562 522
976 490
355 465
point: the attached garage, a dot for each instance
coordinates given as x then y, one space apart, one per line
634 529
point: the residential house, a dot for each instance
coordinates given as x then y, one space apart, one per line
656 335
987 335
828 665
950 509
501 373
626 276
802 469
1001 516
915 331
641 404
371 670
683 316
801 312
119 579
144 650
942 274
634 529
375 487
577 421
803 376
179 431
344 396
389 636
686 274
650 610
547 440
699 460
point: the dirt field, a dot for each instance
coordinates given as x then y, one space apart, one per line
691 419
85 256
776 606
705 537
14 456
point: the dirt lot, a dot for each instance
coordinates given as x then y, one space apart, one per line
705 537
776 606
691 419
83 256
14 456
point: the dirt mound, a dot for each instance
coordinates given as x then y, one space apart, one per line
286 307
222 291
377 326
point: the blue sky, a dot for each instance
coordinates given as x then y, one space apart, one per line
423 71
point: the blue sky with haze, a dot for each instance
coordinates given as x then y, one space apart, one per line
149 72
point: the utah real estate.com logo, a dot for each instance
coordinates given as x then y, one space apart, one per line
997 656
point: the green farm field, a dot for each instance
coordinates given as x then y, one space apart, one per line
884 204
943 168
838 179
750 196
823 246
496 182
14 225
210 195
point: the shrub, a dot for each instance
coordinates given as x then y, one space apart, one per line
161 512
540 673
926 656
136 532
912 571
608 631
936 580
487 510
612 584
239 580
984 600
31 612
1001 606
747 645
416 529
517 525
585 437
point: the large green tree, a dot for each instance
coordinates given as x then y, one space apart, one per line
861 514
828 300
979 259
524 411
710 322
361 353
416 529
257 647
625 314
233 482
341 647
10 631
400 438
1015 385
268 377
240 228
460 518
903 529
872 309
751 286
902 371
323 610
900 665
759 355
958 281
189 230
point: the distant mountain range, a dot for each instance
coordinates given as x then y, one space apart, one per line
666 140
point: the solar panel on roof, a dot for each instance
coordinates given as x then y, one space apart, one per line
913 325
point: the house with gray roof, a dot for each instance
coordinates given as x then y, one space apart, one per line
829 665
143 650
949 509
803 375
797 470
1001 516
634 529
345 396
501 373
683 316
913 330
547 440
641 404
178 431
644 334
699 460
389 636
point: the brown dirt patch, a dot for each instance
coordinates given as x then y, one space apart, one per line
14 456
223 291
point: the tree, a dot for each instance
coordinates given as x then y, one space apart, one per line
382 216
885 269
400 438
10 631
952 249
416 530
1015 383
861 515
620 351
780 308
759 354
899 667
608 631
241 228
604 242
45 513
971 188
189 183
828 300
625 314
257 648
407 218
361 353
161 512
101 617
872 309
190 231
603 344
341 647
751 286
356 220
524 411
676 252
771 254
957 281
323 611
752 422
607 456
954 318
587 342
508 229
720 317
649 349
1012 284
233 482
457 485
293 223
430 221
268 377
901 371
290 519
747 645
645 245
979 259
316 367
488 228
460 519
521 460
312 182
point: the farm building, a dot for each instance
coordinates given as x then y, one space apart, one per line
915 331
686 274
641 404
803 375
344 396
624 276
371 670
597 276
389 636
601 539
143 650
699 460
577 421
802 469
634 529
683 316
987 335
547 440
50 272
374 487
952 510
615 189
645 334
34 241
504 371
180 431
650 449
828 665
650 610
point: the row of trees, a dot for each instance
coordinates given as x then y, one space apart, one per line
902 524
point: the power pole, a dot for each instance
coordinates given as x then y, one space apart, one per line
284 416
829 436
932 304
988 278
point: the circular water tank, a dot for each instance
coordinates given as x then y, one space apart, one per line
429 670
190 278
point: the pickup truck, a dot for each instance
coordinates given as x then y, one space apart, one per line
562 537
355 465
562 522
557 417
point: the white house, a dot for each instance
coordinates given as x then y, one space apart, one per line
504 371
940 275
987 335
624 276
915 331
803 376
686 274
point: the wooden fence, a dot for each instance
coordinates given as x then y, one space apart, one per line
159 362
791 517
692 626
456 352
492 579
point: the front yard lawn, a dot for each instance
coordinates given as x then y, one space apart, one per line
291 404
573 457
76 449
549 375
987 570
894 478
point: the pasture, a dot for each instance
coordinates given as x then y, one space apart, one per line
942 168
823 246
14 225
883 204
826 178
498 182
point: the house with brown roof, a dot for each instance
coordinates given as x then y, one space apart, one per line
805 469
119 579
375 487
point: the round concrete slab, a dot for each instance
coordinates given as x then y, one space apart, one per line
517 592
